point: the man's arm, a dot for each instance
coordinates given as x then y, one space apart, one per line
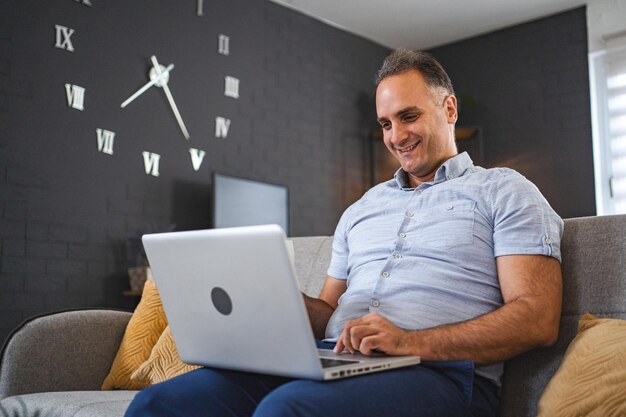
320 309
531 287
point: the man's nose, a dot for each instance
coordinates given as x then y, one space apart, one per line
399 133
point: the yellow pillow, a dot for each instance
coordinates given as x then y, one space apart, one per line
591 381
143 331
163 363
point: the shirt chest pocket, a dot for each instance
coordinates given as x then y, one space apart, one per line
447 225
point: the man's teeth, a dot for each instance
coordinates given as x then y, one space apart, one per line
408 149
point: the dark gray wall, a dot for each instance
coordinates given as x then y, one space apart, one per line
527 87
67 211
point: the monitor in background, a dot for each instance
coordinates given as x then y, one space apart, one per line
245 202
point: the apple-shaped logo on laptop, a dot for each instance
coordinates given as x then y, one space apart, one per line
221 301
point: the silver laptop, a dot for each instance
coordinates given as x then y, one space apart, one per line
232 301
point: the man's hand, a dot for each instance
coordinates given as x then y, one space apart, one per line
373 333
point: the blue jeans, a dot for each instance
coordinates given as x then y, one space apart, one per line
429 389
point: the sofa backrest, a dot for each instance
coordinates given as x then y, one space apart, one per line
65 351
594 280
311 258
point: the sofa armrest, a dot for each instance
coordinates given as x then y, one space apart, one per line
66 351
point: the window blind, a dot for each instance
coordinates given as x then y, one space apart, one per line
615 67
616 135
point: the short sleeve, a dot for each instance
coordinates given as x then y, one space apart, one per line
338 267
524 222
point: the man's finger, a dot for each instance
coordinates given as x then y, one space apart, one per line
369 344
339 347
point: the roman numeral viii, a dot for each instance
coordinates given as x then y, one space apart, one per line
75 96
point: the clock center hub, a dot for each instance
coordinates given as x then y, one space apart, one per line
159 80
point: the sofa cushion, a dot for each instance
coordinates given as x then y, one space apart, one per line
69 404
592 378
594 279
144 329
163 363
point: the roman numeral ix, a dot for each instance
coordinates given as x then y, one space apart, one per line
63 35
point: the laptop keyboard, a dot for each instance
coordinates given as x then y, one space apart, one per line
329 363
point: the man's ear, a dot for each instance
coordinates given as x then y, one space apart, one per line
450 106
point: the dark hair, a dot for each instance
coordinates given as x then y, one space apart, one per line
403 60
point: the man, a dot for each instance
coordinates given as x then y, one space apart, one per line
448 261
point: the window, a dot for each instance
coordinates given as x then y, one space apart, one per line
608 102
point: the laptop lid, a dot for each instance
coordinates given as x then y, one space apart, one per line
232 301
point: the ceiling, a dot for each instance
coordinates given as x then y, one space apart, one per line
423 24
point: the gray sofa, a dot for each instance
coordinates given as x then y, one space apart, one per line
54 365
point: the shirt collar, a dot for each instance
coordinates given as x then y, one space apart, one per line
452 168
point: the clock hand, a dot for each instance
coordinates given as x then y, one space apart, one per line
159 72
148 85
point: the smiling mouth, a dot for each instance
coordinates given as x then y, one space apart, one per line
408 148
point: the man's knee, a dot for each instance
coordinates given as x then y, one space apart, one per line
284 402
144 403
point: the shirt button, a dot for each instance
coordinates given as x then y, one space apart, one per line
409 214
375 303
385 274
450 208
548 240
402 235
397 256
450 177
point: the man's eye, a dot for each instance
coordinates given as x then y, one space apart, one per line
410 117
385 125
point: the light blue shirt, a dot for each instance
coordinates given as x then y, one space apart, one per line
426 256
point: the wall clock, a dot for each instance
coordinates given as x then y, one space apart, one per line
153 74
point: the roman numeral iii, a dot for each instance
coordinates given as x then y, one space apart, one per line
231 87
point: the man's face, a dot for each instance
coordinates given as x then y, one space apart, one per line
417 123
